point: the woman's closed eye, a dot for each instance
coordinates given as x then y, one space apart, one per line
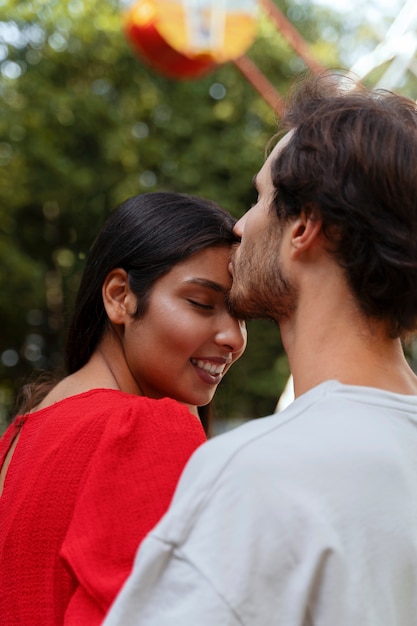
201 305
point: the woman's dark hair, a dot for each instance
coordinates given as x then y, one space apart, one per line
146 236
352 160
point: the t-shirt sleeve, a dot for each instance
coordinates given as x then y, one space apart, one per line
167 588
128 486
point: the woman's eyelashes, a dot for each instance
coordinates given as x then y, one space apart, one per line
201 305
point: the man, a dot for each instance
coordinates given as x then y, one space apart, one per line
309 517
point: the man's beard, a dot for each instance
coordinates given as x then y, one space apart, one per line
260 290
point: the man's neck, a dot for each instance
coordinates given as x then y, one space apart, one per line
334 342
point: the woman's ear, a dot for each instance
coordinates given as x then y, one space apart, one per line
118 299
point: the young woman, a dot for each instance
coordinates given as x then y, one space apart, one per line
90 465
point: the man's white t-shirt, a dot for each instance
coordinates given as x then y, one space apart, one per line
304 518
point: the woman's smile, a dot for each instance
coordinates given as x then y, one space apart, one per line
211 370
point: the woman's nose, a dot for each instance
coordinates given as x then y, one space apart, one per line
232 335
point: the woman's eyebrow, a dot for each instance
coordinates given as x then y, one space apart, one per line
210 284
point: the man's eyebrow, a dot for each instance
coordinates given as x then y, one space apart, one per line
205 282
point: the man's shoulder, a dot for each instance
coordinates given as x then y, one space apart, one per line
257 442
327 424
252 434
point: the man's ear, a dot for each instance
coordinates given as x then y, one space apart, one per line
118 299
306 232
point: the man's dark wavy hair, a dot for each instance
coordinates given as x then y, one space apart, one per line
352 160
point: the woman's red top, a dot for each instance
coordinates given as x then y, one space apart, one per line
89 477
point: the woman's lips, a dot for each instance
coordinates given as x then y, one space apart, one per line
210 370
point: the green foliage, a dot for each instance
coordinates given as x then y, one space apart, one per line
84 124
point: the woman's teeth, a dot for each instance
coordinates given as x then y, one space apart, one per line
208 366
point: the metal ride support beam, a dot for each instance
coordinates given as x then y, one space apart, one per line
292 35
254 75
260 82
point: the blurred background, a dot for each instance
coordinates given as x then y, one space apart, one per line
87 119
